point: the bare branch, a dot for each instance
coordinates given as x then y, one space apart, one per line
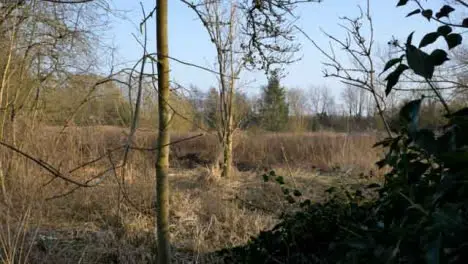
68 1
362 75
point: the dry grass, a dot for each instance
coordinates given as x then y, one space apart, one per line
98 225
324 150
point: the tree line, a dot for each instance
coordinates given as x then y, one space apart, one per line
276 109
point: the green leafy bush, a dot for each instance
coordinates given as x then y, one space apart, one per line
420 215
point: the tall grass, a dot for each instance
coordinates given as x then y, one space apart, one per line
112 222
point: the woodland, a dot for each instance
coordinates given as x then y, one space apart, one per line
127 165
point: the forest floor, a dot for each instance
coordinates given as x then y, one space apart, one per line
52 222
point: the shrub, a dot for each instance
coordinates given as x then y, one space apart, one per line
419 216
421 212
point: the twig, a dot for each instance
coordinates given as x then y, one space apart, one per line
44 165
138 99
441 99
153 55
171 143
124 193
48 167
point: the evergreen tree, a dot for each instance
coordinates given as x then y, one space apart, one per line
273 107
211 108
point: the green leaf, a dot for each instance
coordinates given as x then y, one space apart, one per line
416 170
465 22
373 185
453 40
438 57
402 2
409 114
381 163
392 78
330 190
394 146
429 39
446 143
272 173
409 39
414 12
306 203
280 179
358 193
444 30
419 62
427 14
454 159
444 11
265 177
290 199
390 63
285 191
297 193
425 139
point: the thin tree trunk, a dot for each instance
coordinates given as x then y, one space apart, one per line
162 163
229 126
227 147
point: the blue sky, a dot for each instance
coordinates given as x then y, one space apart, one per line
188 40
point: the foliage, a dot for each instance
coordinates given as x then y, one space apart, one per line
274 109
314 234
290 195
420 214
419 61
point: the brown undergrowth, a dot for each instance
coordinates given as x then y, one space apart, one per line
47 221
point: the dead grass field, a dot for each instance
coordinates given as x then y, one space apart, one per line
113 222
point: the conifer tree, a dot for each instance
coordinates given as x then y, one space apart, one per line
274 108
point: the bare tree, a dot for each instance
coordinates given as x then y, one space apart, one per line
360 72
245 34
298 106
354 100
320 100
43 43
221 21
314 99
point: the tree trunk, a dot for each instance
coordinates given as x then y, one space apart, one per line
162 163
215 165
227 147
229 129
229 126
